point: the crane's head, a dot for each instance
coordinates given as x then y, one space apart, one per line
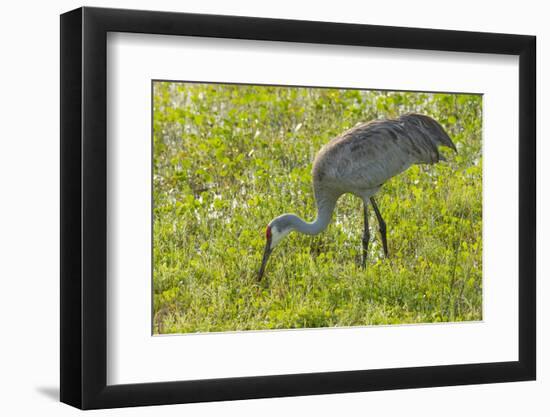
274 233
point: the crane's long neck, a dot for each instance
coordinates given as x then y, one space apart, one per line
325 208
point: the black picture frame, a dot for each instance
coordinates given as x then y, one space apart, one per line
84 207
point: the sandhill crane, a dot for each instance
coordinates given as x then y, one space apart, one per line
359 162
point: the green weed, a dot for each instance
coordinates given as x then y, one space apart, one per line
228 159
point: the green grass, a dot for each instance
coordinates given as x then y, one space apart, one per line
228 159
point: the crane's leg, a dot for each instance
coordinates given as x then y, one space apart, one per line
382 225
366 234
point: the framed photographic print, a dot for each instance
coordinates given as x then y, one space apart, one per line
256 208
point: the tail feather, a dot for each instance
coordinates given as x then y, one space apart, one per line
443 138
431 128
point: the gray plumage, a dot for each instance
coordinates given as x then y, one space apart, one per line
360 161
363 158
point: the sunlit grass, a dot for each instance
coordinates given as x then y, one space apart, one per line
228 159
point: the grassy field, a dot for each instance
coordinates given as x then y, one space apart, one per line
228 159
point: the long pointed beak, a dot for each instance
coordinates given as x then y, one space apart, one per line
267 252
